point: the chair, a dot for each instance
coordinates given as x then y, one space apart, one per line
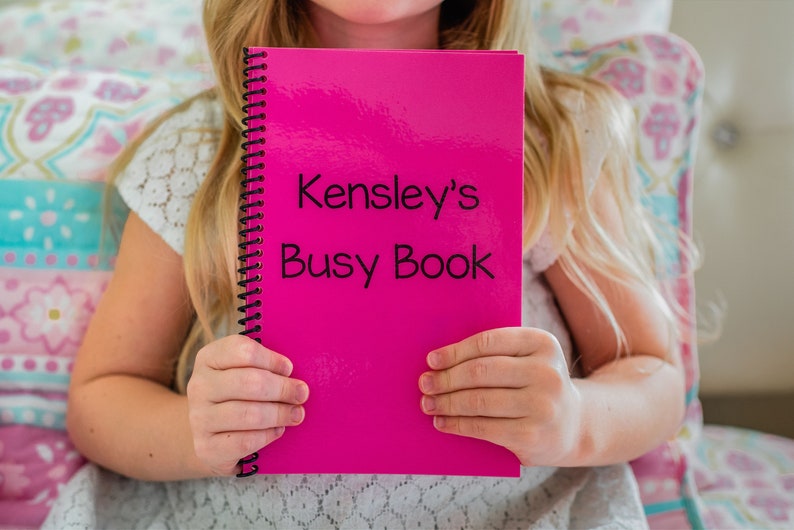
706 477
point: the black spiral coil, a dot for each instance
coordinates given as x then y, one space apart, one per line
251 225
251 197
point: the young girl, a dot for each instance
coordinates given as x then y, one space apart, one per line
164 391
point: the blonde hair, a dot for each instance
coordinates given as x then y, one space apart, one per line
556 193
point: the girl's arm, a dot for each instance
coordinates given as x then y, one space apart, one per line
631 404
122 412
512 386
631 400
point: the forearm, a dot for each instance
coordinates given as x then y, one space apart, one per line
629 407
133 426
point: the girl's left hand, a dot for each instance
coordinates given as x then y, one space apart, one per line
509 386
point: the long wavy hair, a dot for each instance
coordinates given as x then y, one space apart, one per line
555 192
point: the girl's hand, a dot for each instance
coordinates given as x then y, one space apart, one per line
509 386
240 398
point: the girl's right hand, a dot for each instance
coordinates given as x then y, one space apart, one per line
240 398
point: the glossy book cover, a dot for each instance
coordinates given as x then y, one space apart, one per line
381 219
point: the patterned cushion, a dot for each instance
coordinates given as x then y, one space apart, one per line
578 25
66 110
162 36
34 463
662 77
745 479
707 477
60 126
68 123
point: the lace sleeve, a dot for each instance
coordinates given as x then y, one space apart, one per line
165 172
595 143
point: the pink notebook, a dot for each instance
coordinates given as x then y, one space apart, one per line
381 219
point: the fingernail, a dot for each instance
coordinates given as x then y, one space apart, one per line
302 393
428 403
439 422
279 431
426 383
433 358
296 414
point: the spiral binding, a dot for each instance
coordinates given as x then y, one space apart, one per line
250 197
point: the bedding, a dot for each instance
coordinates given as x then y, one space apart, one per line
67 109
745 478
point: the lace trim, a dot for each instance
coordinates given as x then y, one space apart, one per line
604 497
163 176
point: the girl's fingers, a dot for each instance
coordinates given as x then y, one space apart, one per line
248 416
493 403
495 430
248 384
238 351
236 445
483 372
241 397
513 342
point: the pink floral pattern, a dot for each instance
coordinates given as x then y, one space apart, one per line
106 34
742 462
67 111
45 114
36 456
111 140
664 48
665 81
18 85
775 507
55 315
68 123
45 314
119 92
70 82
34 464
745 479
626 75
584 24
662 125
13 481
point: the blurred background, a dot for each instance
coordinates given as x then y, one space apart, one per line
744 207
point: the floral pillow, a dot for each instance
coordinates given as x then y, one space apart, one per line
162 36
59 130
68 123
34 462
577 25
662 78
105 34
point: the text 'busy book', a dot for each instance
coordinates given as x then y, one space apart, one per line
381 220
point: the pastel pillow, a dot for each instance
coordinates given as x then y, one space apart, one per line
69 123
576 25
167 36
34 463
59 129
662 78
154 36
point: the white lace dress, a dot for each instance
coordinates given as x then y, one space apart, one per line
159 185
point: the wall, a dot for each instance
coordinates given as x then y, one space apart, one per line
744 189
